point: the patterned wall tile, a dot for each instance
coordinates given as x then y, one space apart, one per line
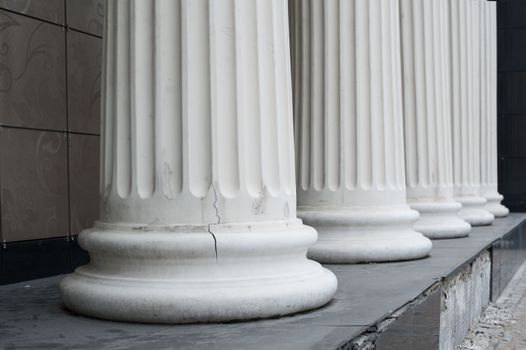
83 181
49 10
86 15
84 82
32 73
33 187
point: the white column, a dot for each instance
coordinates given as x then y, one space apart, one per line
489 156
198 219
349 130
465 82
427 118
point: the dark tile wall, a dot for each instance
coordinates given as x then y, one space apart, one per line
34 182
84 84
83 181
32 74
86 15
511 23
50 67
45 10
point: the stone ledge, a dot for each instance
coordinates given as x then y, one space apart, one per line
371 300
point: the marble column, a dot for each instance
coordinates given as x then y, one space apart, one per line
488 135
198 220
349 132
427 118
465 93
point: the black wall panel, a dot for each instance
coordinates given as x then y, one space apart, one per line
511 24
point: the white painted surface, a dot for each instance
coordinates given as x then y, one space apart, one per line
427 118
198 219
466 99
349 132
489 171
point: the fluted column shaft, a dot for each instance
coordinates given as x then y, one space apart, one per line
201 114
488 141
349 131
198 219
427 118
465 82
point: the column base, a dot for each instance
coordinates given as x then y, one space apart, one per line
440 220
363 235
187 274
473 210
494 205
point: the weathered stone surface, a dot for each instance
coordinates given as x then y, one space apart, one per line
488 131
427 118
198 216
349 132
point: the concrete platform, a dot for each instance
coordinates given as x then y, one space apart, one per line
369 299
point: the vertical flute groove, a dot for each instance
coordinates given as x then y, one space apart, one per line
248 101
347 35
295 49
283 97
143 96
197 99
492 10
107 100
426 132
484 96
303 115
376 102
331 94
388 160
409 32
267 96
398 115
122 128
456 89
476 90
465 102
446 157
168 99
224 90
363 96
437 139
316 96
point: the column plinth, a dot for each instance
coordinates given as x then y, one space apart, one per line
427 113
349 132
466 99
198 219
440 219
489 156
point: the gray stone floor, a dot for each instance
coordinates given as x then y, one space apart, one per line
32 316
503 326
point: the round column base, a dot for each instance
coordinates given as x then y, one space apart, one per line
440 220
495 207
364 235
474 212
188 275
